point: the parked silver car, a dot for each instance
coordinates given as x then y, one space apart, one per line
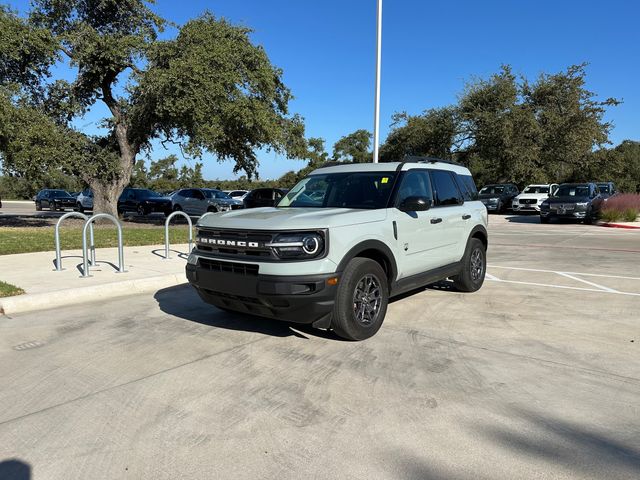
84 201
198 201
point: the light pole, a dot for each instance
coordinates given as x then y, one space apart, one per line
376 108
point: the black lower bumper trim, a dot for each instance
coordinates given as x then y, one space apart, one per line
299 299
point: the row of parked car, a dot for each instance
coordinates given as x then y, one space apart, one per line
193 201
579 201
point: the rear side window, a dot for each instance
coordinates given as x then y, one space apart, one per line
445 188
468 187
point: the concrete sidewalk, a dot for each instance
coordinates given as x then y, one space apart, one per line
147 271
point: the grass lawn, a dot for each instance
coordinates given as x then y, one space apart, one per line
34 239
8 290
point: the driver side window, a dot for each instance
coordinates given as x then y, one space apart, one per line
415 183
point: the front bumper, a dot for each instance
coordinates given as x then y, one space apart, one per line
525 207
307 299
571 214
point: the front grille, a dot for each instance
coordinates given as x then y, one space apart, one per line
228 267
528 201
252 244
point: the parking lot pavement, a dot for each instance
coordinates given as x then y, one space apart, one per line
523 379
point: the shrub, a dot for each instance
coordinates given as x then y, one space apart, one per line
621 207
630 214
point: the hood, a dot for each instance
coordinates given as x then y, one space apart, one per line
537 196
490 195
271 218
568 199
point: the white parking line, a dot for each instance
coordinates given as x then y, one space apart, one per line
602 287
571 275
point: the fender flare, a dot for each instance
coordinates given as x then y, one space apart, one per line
376 245
483 231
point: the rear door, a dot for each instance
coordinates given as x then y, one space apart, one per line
198 202
449 210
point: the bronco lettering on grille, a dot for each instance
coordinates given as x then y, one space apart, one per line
228 243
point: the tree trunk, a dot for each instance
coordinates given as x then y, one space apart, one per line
107 192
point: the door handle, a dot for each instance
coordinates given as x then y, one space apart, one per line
436 220
466 216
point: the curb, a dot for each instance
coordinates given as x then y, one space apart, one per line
76 296
618 225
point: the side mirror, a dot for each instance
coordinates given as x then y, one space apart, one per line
415 204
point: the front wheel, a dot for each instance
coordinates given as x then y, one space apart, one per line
80 207
588 218
474 267
38 207
361 300
53 207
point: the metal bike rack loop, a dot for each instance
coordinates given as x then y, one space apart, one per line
166 231
88 223
57 236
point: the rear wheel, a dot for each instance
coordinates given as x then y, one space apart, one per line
361 301
474 267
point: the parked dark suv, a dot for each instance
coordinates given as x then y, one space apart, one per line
498 197
263 197
54 200
143 201
579 201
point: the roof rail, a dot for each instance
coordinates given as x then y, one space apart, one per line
421 159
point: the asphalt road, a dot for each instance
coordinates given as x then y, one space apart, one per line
537 375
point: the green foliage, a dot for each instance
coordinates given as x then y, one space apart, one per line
431 134
208 89
507 129
8 290
353 148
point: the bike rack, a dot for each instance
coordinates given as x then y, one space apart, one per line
166 231
57 237
88 223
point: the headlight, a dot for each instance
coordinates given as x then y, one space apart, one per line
302 245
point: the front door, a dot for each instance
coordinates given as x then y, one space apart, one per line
420 235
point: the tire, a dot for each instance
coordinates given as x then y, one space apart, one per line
53 207
544 219
361 277
38 207
474 267
141 211
80 207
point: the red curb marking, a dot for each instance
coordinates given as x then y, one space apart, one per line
616 225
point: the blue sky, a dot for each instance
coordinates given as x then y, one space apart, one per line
430 49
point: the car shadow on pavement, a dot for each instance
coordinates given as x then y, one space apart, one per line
13 469
182 301
26 221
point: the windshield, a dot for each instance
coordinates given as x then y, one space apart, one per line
572 191
147 194
59 193
365 190
491 189
536 189
216 194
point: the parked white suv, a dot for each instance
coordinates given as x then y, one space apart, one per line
532 197
84 201
342 242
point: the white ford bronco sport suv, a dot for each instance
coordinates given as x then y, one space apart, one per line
343 241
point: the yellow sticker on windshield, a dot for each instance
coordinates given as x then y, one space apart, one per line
385 179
